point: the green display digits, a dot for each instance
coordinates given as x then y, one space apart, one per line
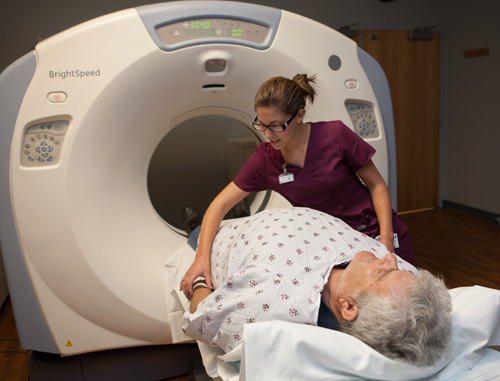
200 24
205 25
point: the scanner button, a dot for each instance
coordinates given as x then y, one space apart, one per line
351 84
57 97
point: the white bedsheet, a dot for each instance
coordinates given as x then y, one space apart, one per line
287 351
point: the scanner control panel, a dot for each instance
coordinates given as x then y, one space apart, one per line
42 144
364 120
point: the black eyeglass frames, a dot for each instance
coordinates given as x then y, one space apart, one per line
259 126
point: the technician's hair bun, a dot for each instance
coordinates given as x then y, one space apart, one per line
306 84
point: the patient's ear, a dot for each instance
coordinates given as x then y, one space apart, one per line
348 308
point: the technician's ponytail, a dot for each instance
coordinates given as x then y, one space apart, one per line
306 83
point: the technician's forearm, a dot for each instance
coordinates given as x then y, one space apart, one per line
209 227
383 208
381 201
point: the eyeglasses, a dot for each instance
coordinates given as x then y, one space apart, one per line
259 126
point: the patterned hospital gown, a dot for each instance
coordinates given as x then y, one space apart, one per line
273 266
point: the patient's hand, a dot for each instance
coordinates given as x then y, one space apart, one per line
199 268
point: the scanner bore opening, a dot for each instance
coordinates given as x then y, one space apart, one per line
195 161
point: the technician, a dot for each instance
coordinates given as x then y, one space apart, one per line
323 165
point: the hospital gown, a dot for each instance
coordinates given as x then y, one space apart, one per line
273 266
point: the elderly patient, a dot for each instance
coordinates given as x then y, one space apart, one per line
300 265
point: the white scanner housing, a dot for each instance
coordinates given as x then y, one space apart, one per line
80 119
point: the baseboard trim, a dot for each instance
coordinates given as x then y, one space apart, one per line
470 210
415 211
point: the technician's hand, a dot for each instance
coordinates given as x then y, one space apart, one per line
198 269
389 244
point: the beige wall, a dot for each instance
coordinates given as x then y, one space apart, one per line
471 141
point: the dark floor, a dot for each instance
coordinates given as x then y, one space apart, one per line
462 248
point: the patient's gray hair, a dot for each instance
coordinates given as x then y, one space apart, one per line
414 327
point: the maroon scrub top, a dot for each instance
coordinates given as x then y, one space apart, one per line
328 181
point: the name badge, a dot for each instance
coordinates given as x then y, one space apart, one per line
286 178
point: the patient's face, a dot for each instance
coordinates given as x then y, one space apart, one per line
368 273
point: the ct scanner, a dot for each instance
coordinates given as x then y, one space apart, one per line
80 119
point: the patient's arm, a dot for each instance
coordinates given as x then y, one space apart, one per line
198 295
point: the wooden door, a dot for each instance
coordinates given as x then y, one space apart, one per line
413 71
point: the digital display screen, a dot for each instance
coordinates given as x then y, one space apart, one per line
212 28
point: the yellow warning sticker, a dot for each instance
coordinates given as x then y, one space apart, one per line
68 344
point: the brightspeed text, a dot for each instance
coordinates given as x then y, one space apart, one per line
63 74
